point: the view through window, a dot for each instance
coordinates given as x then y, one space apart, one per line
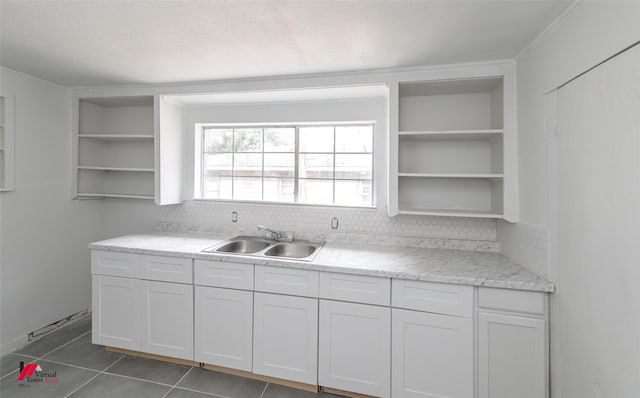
311 164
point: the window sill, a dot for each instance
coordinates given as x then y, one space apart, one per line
290 204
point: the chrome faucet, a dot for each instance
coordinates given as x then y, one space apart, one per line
284 236
275 234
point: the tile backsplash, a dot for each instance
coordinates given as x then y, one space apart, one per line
526 244
356 225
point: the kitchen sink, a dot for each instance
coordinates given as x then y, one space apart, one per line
256 246
243 246
292 250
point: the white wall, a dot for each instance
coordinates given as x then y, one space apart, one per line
587 35
45 264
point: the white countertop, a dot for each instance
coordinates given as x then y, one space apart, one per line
434 265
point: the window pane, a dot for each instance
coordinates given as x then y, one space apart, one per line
316 139
316 166
218 140
315 191
279 164
279 189
218 164
354 167
247 140
247 188
217 187
354 139
247 164
354 193
279 139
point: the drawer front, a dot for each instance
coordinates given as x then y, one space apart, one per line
512 300
296 282
125 265
355 288
438 298
166 269
224 274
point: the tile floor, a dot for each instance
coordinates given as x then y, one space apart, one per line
86 370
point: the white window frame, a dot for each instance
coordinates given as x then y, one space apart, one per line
199 160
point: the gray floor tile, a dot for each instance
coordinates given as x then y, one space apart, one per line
109 386
148 369
57 338
11 363
276 391
68 379
83 353
222 384
178 393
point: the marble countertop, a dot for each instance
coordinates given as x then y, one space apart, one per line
434 265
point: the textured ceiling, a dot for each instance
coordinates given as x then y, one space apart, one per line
97 43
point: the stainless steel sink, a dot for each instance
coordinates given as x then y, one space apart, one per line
292 250
243 246
256 246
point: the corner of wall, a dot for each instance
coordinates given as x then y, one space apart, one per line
526 244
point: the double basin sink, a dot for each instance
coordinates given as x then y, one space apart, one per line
256 246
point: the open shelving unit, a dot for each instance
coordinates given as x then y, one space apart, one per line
6 141
115 147
447 148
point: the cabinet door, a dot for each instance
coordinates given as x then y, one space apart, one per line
116 311
432 355
224 327
285 337
355 348
167 319
512 356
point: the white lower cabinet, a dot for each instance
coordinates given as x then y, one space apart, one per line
167 319
432 355
355 348
116 306
512 356
285 337
224 327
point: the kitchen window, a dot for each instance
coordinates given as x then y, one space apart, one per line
321 164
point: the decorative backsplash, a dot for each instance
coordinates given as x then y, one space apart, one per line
354 225
526 244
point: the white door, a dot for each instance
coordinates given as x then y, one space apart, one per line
285 337
432 355
511 356
167 319
116 312
224 327
355 348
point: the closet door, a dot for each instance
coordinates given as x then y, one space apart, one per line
598 231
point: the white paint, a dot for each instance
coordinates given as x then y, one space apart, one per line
45 273
588 34
108 43
599 229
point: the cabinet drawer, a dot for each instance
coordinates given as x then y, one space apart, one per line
512 300
355 288
439 298
296 282
126 265
166 269
224 274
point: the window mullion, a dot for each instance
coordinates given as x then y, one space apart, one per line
262 172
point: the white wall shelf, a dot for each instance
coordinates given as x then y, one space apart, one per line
451 147
115 168
451 175
117 137
110 195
